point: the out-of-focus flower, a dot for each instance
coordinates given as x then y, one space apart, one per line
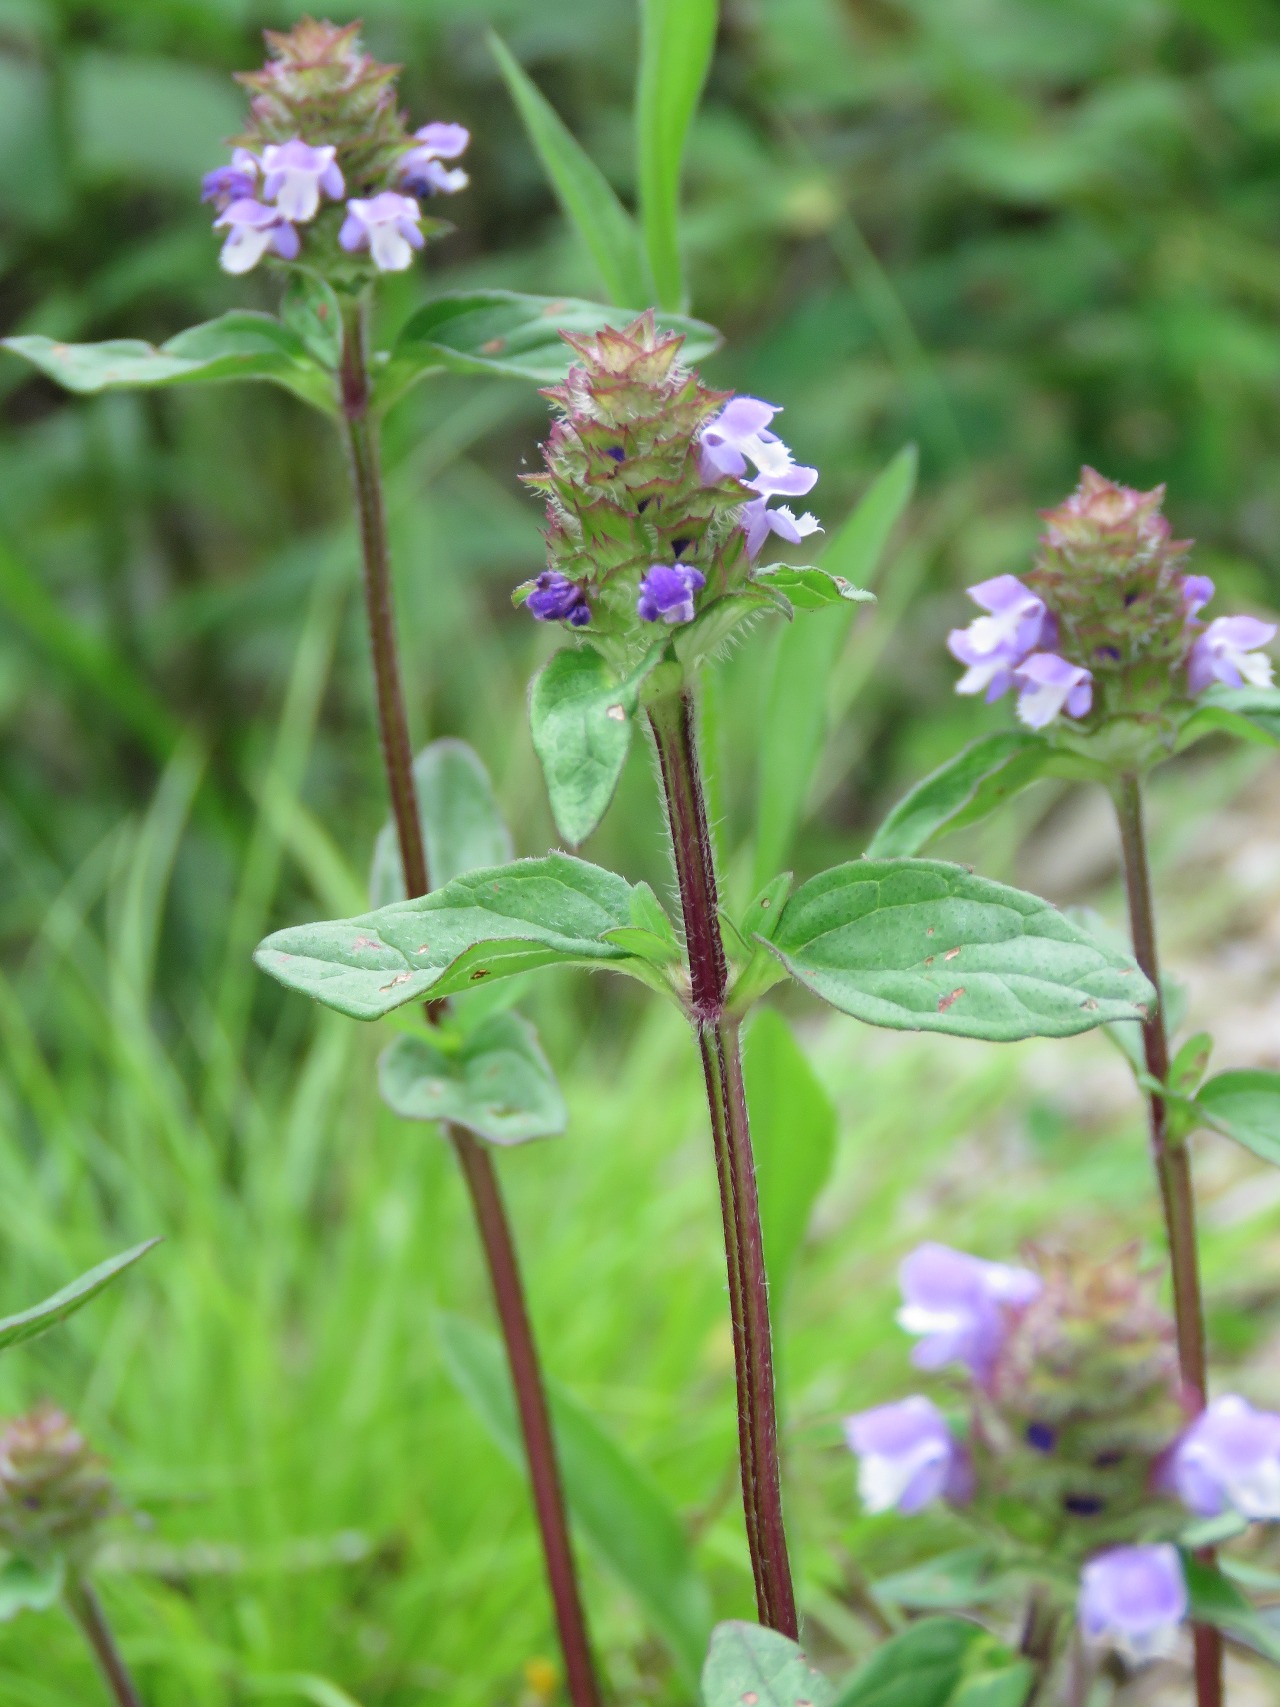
236 182
387 225
421 170
294 174
907 1456
54 1489
993 646
253 229
959 1306
666 593
1230 1459
1197 590
555 598
1228 652
1132 1599
1048 685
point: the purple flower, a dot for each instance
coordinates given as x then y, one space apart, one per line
1048 684
1133 1600
294 174
555 598
666 593
1230 1458
759 522
420 170
387 226
907 1456
740 433
236 182
994 645
1227 652
959 1306
252 229
1197 590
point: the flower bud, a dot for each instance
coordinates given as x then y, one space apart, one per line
54 1490
1132 1600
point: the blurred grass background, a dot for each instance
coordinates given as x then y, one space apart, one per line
1023 234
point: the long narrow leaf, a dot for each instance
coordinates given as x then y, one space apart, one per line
41 1317
581 188
676 42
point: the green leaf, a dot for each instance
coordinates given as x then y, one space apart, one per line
986 774
583 191
508 336
920 945
1253 713
462 827
761 917
1215 1600
580 716
808 587
41 1317
488 924
677 38
794 719
1189 1065
926 1666
793 1130
747 1662
26 1586
620 1509
495 1081
311 309
239 345
1244 1105
960 1579
1007 1686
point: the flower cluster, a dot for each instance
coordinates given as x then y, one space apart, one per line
319 83
658 490
54 1490
1076 1443
1107 622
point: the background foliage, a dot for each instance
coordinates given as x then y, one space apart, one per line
1021 233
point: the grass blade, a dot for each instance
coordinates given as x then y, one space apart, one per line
41 1317
676 42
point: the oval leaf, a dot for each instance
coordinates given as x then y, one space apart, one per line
30 1586
501 333
41 1317
1251 712
488 924
1245 1106
746 1662
580 717
497 1082
925 1666
1216 1600
462 827
808 587
621 1510
920 945
987 773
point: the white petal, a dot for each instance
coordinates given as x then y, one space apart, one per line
244 248
391 254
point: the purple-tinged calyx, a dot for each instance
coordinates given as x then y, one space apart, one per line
667 593
907 1456
422 171
254 230
1049 685
387 225
1230 651
1132 1600
1229 1459
960 1306
993 645
54 1489
294 174
555 598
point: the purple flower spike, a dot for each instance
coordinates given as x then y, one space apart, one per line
421 171
233 183
907 1456
958 1304
666 593
1197 590
252 230
1048 684
387 225
294 174
1133 1599
1230 1459
555 598
994 645
1228 652
740 433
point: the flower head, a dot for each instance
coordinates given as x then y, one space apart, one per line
54 1490
666 593
1229 1459
421 170
253 230
907 1456
1229 652
555 598
960 1306
388 226
1048 685
1133 1599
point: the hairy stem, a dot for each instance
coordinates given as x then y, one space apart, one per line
477 1167
1173 1171
85 1607
720 1048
